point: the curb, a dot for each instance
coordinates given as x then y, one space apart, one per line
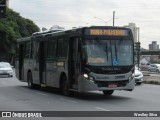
152 82
146 75
151 79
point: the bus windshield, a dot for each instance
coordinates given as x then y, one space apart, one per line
107 52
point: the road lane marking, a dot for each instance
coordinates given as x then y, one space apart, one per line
99 108
23 89
70 101
41 94
3 82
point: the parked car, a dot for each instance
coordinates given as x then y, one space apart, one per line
138 76
6 69
154 68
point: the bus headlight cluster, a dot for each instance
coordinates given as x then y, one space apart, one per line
85 75
90 78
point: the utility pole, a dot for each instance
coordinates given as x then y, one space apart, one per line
138 51
113 17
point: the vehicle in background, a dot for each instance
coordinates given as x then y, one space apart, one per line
138 76
6 69
154 68
136 67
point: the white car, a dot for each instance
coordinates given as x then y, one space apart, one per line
138 76
154 68
6 69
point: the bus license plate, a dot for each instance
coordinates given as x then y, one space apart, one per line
112 85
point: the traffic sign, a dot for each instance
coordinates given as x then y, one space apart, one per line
2 8
2 2
2 11
137 46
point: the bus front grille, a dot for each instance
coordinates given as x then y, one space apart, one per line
107 83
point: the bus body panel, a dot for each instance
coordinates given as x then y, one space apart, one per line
102 83
51 74
86 85
53 77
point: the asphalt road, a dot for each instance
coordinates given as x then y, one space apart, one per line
16 96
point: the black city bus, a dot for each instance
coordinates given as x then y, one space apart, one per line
81 59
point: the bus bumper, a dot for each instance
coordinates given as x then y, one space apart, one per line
85 85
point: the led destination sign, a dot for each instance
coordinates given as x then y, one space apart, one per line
110 32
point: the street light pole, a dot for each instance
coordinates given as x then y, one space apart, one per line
113 17
138 55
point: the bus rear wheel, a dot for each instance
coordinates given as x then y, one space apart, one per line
65 86
108 92
30 80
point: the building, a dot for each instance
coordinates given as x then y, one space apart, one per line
134 29
154 46
7 3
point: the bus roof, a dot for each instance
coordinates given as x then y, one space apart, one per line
80 31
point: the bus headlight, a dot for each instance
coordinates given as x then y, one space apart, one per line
90 78
85 75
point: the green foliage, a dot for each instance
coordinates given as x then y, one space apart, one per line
13 27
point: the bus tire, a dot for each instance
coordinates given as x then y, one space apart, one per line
108 92
30 80
65 86
138 83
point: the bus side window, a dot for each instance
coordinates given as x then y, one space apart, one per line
31 50
62 48
27 50
36 52
51 49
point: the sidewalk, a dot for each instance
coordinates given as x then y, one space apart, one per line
151 78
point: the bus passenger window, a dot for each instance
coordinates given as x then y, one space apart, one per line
51 49
62 48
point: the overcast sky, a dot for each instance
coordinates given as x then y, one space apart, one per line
75 13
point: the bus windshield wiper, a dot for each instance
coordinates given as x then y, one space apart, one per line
116 51
107 51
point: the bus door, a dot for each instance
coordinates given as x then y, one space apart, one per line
52 79
42 61
21 61
74 63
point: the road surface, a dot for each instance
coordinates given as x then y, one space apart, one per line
16 96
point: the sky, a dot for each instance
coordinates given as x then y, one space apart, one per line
78 13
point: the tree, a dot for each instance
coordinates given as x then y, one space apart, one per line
11 28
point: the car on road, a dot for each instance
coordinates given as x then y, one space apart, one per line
154 68
6 69
138 76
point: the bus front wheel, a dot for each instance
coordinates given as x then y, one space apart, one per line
108 92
